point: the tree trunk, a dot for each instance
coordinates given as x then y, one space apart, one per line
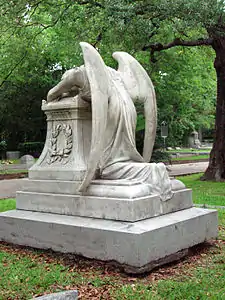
216 168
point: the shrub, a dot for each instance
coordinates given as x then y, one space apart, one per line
3 145
32 148
160 156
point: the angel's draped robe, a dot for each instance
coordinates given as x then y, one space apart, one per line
121 160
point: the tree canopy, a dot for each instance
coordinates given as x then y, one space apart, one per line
40 39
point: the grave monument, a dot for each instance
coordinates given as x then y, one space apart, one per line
91 193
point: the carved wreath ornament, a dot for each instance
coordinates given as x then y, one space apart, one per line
61 144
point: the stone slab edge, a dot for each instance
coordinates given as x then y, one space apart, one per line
102 207
137 245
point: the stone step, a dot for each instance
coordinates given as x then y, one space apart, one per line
138 246
104 207
100 188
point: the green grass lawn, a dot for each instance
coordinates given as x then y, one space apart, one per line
188 150
7 204
194 157
12 171
205 192
25 272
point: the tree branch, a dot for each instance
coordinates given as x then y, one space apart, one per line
98 39
91 2
14 68
30 42
177 42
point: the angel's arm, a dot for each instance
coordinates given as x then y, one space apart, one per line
66 85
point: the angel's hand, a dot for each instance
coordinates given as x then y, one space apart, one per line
52 96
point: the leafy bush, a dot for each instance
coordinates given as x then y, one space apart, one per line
32 148
160 156
3 146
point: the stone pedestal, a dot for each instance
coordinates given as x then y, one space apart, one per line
115 220
137 246
68 139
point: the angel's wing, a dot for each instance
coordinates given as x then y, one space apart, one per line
98 78
140 88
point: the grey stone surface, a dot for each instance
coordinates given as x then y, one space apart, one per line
131 244
67 295
177 184
100 188
124 209
65 157
111 153
12 154
13 167
8 188
130 214
67 146
190 168
193 140
27 160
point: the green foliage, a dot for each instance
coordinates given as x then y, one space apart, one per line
34 275
7 204
40 40
4 170
33 148
182 92
160 156
21 118
3 145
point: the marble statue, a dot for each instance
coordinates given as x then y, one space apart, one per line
90 192
112 94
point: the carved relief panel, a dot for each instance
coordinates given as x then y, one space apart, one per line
61 143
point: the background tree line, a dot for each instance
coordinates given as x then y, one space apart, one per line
40 40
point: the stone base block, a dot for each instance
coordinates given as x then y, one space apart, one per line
123 209
100 188
60 173
137 246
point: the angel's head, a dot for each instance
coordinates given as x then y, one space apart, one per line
75 76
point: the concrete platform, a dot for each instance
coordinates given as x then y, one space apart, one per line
8 188
112 208
137 246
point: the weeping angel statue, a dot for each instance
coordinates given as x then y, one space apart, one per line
112 93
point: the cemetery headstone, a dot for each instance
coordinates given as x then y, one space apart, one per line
193 140
27 160
12 155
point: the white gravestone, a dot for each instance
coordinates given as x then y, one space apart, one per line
27 160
